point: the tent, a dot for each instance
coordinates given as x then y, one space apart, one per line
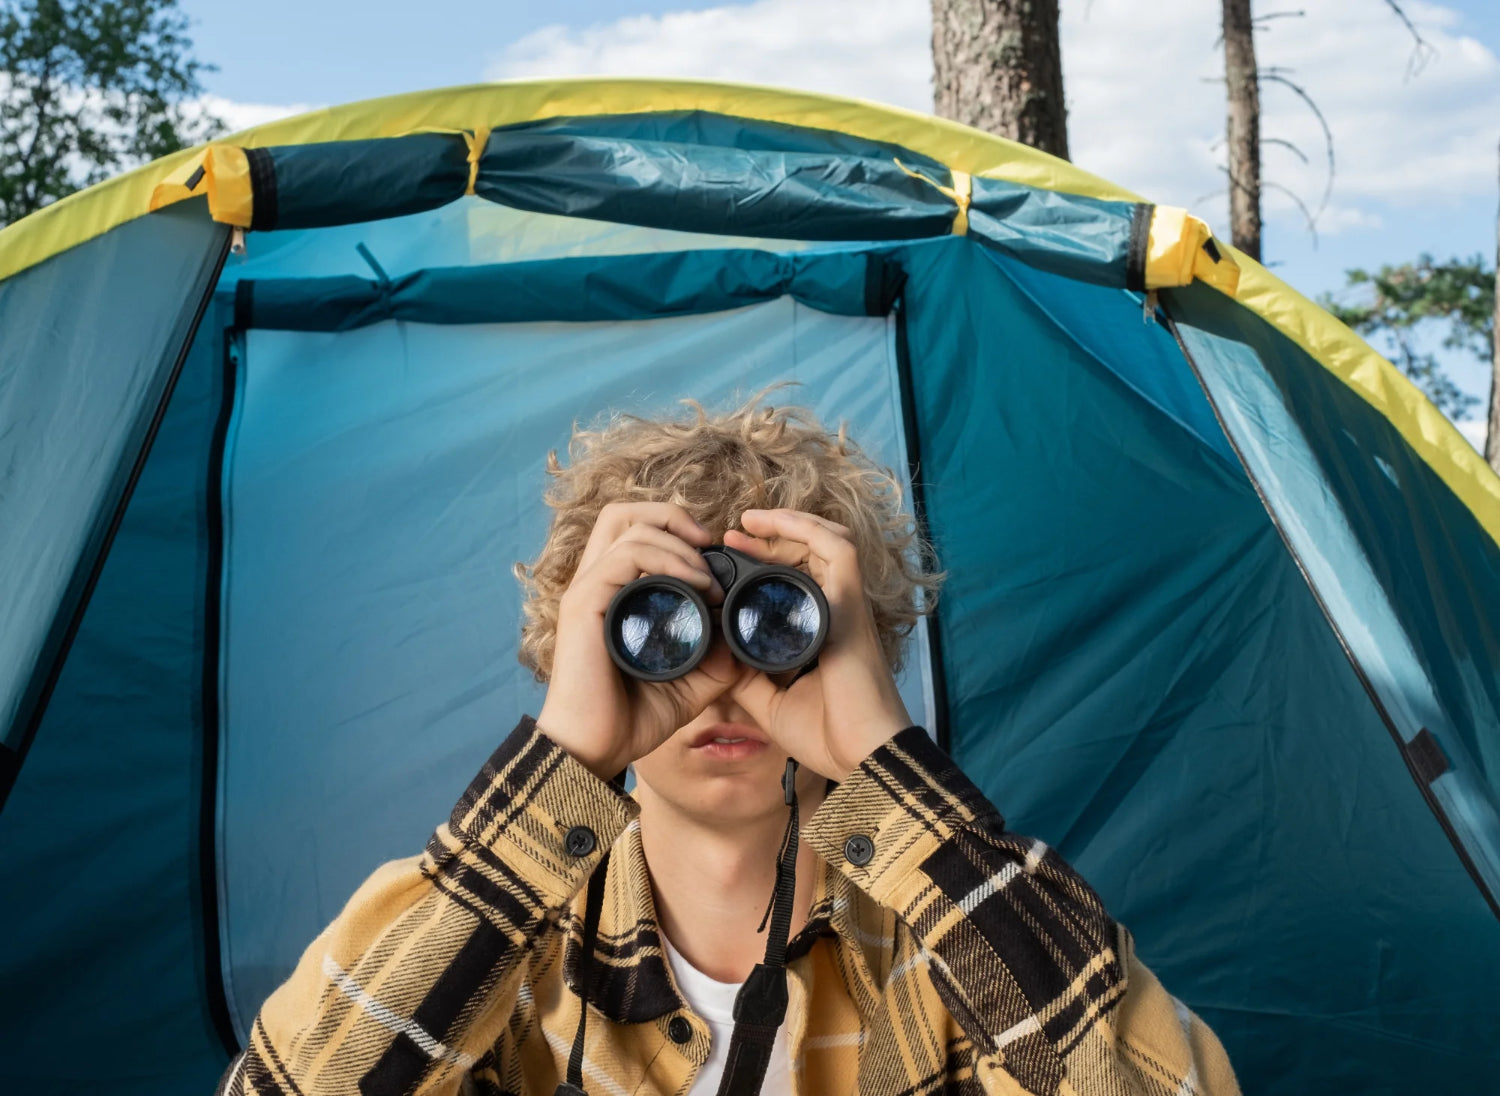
1222 622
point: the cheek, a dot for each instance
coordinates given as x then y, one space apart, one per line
656 770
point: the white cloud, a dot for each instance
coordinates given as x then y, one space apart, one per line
864 48
1474 430
1145 109
239 116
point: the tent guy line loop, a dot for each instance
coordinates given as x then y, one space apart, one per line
477 139
960 193
382 279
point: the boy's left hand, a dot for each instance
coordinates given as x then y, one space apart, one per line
831 719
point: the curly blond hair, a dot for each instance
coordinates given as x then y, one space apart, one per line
716 466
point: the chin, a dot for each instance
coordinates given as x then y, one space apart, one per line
715 793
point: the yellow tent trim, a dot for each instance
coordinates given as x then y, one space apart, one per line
1348 357
83 216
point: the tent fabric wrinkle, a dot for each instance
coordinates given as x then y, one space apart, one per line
575 290
1220 617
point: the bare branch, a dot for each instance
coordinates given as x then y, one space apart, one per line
1257 20
1278 76
1422 50
1285 144
1312 226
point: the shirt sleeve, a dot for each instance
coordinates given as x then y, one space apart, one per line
417 977
1031 966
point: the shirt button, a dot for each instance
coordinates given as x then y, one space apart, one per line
679 1030
859 850
580 841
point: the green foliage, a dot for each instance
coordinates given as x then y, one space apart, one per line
1457 297
88 88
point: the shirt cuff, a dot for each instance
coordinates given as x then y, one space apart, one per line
904 801
534 822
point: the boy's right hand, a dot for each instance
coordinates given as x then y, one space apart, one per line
598 714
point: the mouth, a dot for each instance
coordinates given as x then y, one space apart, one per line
728 742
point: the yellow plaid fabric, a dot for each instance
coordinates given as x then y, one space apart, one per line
956 958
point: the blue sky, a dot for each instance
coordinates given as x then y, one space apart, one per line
1417 154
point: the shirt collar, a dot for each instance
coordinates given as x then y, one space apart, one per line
631 980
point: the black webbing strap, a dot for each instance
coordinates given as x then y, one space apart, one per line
760 1006
593 906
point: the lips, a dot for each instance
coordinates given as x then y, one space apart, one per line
728 741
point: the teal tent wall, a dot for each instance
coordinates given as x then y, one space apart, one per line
1147 654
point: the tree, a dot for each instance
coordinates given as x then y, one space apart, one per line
997 66
1243 130
1243 79
1456 297
87 88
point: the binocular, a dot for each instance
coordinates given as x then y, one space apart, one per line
774 618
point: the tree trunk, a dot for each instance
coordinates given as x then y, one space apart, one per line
1492 438
1244 127
997 66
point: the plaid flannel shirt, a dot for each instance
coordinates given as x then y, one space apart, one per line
958 957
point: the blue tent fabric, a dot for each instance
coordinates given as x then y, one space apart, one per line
574 290
309 186
107 917
1109 650
1212 628
1340 505
80 425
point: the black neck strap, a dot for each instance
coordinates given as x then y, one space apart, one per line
760 1006
592 907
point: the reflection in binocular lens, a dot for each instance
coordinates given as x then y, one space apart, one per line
659 630
776 621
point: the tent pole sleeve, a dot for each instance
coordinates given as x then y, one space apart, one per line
213 603
1414 760
91 564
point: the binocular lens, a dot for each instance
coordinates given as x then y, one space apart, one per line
773 618
776 621
660 629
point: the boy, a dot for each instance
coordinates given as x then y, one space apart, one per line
931 950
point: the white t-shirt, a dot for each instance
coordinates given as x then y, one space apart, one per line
714 1001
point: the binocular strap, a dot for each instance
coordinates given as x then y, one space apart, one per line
760 1006
592 907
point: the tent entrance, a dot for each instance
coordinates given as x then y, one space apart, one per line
378 484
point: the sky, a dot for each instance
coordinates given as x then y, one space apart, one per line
1416 140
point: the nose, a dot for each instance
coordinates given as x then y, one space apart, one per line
727 710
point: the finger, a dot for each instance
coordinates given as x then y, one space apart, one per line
802 519
786 552
661 538
628 561
832 557
616 517
705 683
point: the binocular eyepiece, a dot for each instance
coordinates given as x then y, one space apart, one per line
774 618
